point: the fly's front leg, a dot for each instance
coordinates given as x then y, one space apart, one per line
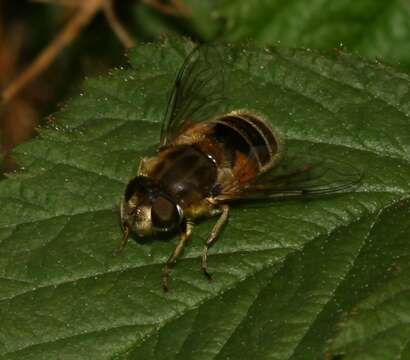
184 237
123 242
213 237
125 232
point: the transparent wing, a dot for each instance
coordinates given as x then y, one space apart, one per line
306 179
197 91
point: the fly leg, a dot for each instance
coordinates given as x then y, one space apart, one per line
123 241
184 237
212 239
125 233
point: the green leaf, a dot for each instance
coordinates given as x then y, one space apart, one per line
287 276
373 28
376 325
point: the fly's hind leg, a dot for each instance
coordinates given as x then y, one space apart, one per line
212 239
184 237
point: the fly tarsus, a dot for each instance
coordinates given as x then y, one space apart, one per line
212 239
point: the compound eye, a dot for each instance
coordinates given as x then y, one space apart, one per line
164 213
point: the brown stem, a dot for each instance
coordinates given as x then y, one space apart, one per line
65 37
66 3
116 26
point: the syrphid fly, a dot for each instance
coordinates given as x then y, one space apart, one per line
205 163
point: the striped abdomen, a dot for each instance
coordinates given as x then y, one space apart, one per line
250 144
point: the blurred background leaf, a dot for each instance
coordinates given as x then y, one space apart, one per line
371 28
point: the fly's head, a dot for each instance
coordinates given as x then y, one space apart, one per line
148 209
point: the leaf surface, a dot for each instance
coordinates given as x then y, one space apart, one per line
295 280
